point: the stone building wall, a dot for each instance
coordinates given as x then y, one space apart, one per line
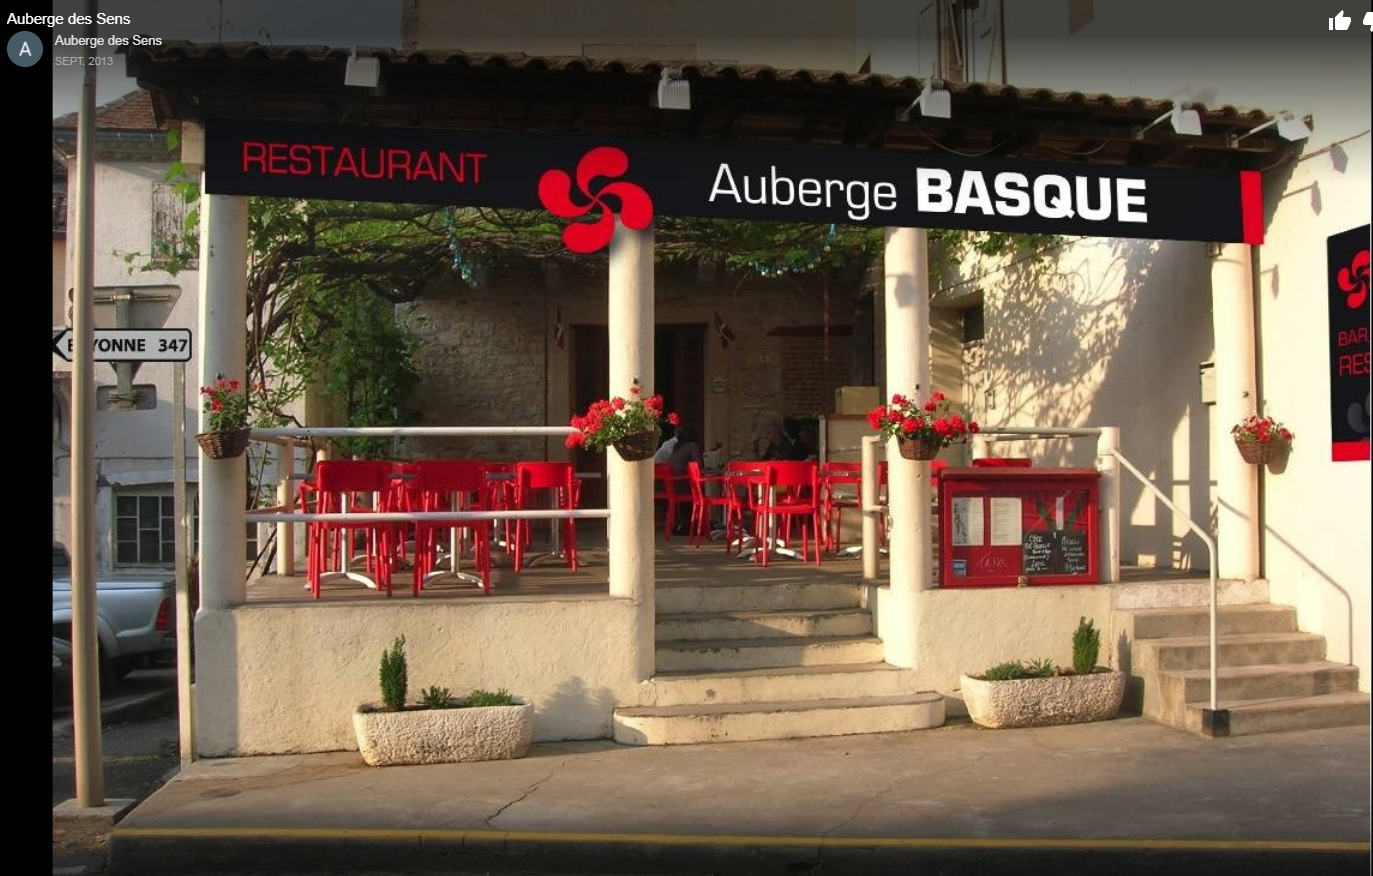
486 353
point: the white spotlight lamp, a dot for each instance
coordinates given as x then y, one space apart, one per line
674 92
1289 128
1182 117
934 101
362 72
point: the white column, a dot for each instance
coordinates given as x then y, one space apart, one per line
286 498
1108 505
907 303
629 492
223 315
1237 482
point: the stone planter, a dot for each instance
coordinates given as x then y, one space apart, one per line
1038 702
443 735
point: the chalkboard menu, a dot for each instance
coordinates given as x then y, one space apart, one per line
1072 551
1037 548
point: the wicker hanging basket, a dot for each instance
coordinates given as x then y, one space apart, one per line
1257 453
918 448
637 446
224 445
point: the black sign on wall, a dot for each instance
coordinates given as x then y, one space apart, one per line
1347 255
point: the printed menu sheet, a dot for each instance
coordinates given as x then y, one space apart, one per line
1006 520
967 520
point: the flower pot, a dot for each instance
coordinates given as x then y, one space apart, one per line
637 446
1040 702
1258 453
918 448
460 735
224 445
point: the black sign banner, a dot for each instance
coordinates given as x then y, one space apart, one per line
1347 258
575 175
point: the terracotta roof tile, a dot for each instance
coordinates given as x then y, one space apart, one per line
132 112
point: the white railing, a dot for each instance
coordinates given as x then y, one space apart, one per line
1211 550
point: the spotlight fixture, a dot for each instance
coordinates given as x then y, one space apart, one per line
362 72
674 92
934 101
1182 117
1289 128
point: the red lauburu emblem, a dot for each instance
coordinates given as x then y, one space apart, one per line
635 206
1354 279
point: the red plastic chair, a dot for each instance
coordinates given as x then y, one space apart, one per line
1002 462
840 486
791 491
349 486
672 489
558 483
702 503
451 485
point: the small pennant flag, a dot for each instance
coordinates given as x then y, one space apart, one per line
559 336
722 329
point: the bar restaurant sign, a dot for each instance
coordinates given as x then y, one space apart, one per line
1347 275
589 181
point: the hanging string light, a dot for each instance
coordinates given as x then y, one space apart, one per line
801 264
461 266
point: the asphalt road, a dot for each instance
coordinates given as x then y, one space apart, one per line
139 742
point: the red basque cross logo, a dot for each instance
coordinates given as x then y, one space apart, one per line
555 191
1354 280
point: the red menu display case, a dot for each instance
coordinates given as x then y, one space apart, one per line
1003 527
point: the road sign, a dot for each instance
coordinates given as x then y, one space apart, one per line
131 345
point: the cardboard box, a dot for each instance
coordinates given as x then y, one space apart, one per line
855 399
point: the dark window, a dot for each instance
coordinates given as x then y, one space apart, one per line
972 324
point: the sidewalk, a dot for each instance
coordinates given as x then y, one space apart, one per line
1126 792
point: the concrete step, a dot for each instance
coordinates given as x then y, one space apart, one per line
734 654
764 624
1167 693
1167 623
1281 714
1172 593
1194 652
776 684
744 722
782 596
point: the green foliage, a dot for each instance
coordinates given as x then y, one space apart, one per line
1086 646
481 697
394 676
435 697
1015 669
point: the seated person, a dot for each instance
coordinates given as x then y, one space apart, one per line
664 451
686 450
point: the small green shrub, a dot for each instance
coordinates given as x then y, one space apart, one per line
480 697
394 676
1014 669
1086 646
436 698
1040 668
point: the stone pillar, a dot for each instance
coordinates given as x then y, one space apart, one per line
223 316
629 485
907 306
1108 505
1237 482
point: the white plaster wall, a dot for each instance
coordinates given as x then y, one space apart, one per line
274 679
1315 527
966 630
817 34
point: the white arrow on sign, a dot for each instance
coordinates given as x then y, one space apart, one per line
131 345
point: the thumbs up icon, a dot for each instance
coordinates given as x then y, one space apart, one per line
1340 21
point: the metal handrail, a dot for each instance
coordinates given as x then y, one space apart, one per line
1211 549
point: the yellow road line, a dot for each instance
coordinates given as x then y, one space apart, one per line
490 836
